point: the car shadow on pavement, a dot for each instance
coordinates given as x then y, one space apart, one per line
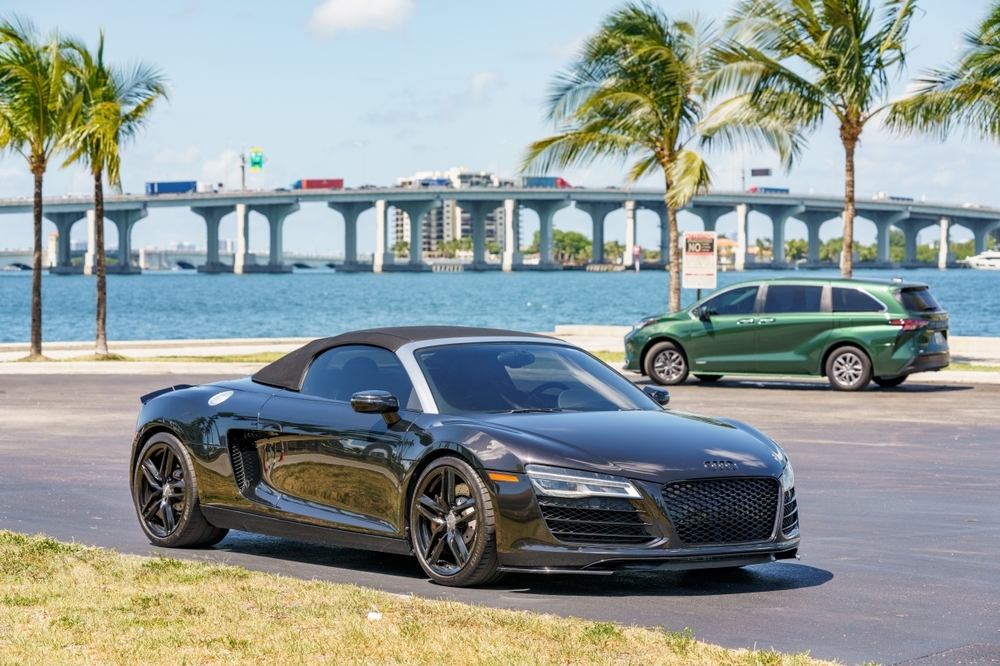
302 552
774 577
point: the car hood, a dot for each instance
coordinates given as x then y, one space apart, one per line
656 446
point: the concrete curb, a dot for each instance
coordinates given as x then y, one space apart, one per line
129 368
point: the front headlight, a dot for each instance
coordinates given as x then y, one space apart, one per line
559 482
645 321
787 477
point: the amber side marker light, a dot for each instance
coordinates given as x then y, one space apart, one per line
497 476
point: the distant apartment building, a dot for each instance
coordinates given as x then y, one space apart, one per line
448 221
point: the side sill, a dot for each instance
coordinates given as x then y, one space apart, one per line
288 529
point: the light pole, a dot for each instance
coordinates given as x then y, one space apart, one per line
358 143
243 167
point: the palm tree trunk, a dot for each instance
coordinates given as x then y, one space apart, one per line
36 272
675 263
847 252
101 348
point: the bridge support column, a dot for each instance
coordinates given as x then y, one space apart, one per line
546 210
709 214
779 215
911 228
350 212
883 221
661 212
598 211
478 211
383 255
629 233
124 220
213 216
511 235
243 260
64 224
943 247
739 262
415 210
814 219
275 214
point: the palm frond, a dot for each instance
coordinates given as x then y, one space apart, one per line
688 175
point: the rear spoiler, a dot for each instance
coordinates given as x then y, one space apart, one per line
177 387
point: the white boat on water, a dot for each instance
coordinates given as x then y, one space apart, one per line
987 261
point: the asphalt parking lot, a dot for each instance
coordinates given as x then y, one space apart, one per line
898 493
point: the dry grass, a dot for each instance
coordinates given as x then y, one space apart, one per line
67 604
610 356
260 357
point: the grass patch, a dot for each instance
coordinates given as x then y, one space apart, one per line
70 604
610 356
969 367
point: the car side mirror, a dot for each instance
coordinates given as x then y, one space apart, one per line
704 313
377 402
660 395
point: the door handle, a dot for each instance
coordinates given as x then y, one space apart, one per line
766 320
740 322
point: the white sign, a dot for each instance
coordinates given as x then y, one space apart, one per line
700 260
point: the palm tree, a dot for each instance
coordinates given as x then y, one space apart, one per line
635 92
116 104
798 61
968 93
38 104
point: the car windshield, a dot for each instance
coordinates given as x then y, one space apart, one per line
917 300
525 377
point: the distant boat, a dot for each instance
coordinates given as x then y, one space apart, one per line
987 261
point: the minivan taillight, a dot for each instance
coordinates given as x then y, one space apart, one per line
909 324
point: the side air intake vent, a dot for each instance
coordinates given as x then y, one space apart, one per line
245 461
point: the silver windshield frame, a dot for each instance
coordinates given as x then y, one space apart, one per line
407 357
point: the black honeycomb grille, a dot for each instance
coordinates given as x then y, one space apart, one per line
603 520
721 511
790 523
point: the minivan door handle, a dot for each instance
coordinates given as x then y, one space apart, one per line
766 320
740 322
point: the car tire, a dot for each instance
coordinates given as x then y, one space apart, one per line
165 495
889 382
849 369
453 531
708 378
666 364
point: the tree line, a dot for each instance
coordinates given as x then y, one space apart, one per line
58 98
658 92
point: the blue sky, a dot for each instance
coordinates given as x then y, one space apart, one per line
423 84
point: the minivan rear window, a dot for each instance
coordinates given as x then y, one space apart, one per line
917 299
849 299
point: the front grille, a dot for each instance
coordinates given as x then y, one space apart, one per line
790 524
722 510
603 520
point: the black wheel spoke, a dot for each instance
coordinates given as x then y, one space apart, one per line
169 517
434 548
151 505
431 509
469 513
448 488
457 546
166 464
151 474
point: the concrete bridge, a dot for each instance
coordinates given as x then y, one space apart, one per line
124 211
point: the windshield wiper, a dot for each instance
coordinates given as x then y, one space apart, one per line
536 409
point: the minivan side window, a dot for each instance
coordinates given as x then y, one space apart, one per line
854 300
339 373
737 301
793 298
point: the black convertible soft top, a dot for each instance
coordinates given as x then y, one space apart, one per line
289 370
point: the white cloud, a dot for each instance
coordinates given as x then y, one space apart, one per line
333 16
481 83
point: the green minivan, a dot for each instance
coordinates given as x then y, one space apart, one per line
850 331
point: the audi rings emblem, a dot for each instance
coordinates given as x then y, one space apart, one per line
720 465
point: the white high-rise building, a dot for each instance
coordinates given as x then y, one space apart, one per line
448 221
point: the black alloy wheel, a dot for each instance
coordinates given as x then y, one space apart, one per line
165 494
709 378
849 369
451 522
666 364
889 382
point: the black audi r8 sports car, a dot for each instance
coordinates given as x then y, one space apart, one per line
479 451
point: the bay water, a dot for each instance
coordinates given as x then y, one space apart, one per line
183 305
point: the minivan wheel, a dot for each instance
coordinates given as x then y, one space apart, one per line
889 382
849 369
666 365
